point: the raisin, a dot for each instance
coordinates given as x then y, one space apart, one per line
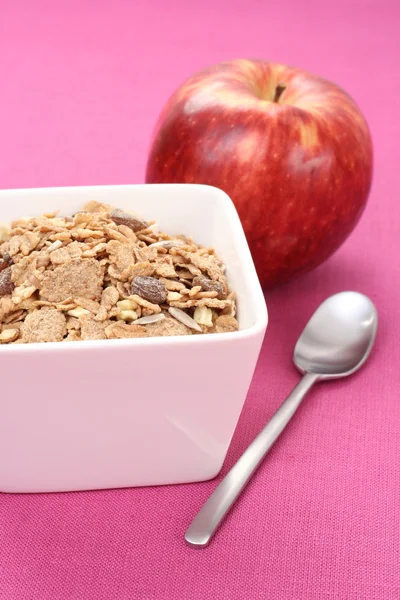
149 288
208 285
121 218
6 285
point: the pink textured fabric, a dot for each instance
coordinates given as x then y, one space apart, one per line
81 84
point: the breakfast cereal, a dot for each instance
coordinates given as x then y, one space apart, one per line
104 273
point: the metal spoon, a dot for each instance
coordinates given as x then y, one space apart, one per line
335 343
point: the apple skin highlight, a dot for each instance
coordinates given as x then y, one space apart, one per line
291 149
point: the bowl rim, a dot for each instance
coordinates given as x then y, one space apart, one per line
260 308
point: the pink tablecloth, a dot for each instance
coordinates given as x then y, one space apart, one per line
81 83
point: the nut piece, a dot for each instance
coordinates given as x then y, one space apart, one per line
195 289
127 315
174 296
149 288
6 284
4 232
127 305
203 316
78 312
9 335
122 218
150 319
167 244
184 318
54 246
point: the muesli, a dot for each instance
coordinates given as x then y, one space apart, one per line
104 273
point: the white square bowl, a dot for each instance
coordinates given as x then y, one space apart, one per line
120 413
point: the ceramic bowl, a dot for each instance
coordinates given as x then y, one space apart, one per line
134 412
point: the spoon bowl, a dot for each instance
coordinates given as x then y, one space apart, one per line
339 337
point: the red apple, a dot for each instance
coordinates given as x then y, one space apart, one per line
292 150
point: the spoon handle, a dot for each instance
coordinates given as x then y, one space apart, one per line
216 507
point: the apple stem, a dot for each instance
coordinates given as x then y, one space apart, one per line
280 88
